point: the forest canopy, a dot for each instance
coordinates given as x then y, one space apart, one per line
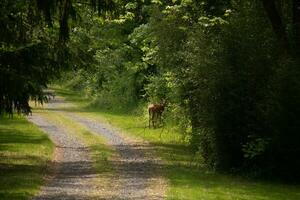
229 70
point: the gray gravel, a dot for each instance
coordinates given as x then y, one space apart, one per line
138 173
138 176
72 166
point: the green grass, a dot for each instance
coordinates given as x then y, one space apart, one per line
24 154
187 180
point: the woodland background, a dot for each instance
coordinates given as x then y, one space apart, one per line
229 70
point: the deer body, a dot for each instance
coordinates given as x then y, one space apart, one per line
155 112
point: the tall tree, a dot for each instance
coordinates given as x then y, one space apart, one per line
277 23
296 23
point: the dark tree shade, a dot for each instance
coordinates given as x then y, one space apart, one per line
23 75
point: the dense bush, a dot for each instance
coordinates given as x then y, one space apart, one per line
227 70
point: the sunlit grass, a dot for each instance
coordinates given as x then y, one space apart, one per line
24 154
188 180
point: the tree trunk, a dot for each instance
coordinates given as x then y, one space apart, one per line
64 26
277 24
296 23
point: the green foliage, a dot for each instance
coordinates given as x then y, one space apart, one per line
24 75
188 179
255 148
231 88
29 55
157 88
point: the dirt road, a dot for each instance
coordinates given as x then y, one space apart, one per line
138 173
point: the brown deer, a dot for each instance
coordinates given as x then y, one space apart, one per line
155 111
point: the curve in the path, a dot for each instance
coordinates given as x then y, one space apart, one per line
73 168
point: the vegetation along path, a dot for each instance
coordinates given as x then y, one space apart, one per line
138 174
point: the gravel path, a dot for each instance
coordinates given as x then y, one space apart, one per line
138 173
73 174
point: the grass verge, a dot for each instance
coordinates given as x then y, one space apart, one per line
187 180
24 154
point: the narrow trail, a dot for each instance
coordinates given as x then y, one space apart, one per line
73 174
138 176
138 172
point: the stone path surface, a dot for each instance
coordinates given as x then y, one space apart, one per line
138 173
73 173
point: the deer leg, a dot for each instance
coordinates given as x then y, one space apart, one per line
149 120
155 120
158 119
152 120
161 119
